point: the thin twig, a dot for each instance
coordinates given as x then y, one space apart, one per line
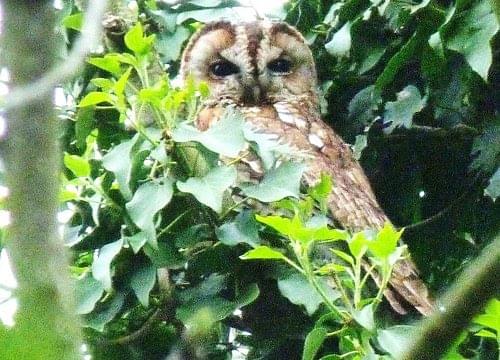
448 209
90 36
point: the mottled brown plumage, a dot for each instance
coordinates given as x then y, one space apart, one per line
267 72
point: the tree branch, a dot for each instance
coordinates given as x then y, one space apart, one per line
64 71
46 306
467 297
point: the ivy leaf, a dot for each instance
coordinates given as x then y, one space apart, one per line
99 318
88 291
169 44
493 188
225 137
364 317
148 199
395 339
400 112
101 267
78 165
278 183
340 44
242 230
209 189
363 105
297 289
313 342
142 282
470 33
137 241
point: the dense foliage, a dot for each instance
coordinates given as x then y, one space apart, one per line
175 255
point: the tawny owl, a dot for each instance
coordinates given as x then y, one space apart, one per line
267 71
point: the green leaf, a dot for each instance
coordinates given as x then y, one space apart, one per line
242 230
346 257
78 165
321 191
364 317
297 231
493 188
400 112
88 291
143 281
278 183
395 339
263 252
486 334
148 199
340 44
97 97
74 21
119 162
101 267
358 244
299 291
209 190
359 145
164 256
385 242
136 41
225 137
470 32
313 342
107 63
491 316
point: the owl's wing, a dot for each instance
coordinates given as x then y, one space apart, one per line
352 201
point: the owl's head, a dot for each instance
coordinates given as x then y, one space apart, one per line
250 63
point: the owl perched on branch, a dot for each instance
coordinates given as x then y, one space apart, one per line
266 70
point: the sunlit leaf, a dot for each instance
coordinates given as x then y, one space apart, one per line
224 137
340 44
78 165
262 252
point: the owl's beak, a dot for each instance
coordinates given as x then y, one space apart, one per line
252 93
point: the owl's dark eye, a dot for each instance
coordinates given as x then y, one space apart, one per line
224 68
280 66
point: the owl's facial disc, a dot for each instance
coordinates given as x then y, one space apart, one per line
250 63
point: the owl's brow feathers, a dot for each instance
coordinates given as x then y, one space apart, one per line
253 32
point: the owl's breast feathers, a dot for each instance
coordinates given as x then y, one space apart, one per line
352 202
